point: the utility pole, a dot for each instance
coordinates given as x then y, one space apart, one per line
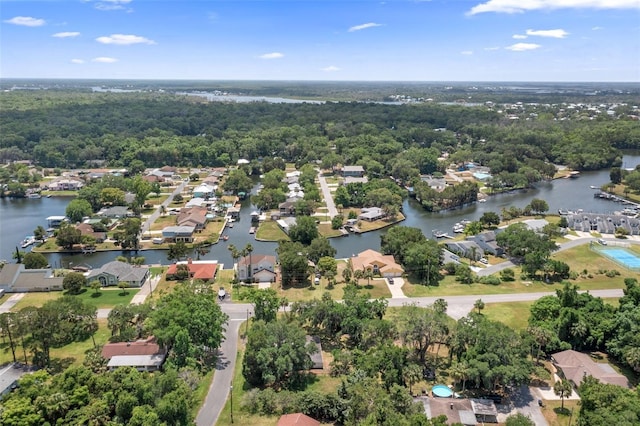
231 391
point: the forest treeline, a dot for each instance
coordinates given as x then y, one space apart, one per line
74 129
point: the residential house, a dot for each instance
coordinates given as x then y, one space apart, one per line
354 171
379 264
467 249
177 234
87 229
56 221
204 270
437 184
211 180
257 267
316 357
165 172
115 272
288 208
575 366
195 202
115 212
65 185
193 216
233 212
295 195
293 174
487 241
297 419
204 190
15 278
286 223
143 355
371 213
153 178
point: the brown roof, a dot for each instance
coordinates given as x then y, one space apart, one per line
297 419
576 365
139 347
192 216
257 258
368 258
200 271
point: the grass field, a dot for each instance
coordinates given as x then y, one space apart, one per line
270 231
513 314
107 298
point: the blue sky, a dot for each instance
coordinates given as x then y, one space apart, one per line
361 40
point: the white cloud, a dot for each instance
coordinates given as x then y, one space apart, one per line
26 21
548 33
77 61
330 68
66 34
364 26
124 39
519 36
107 5
520 6
492 48
272 55
521 47
597 28
467 52
104 60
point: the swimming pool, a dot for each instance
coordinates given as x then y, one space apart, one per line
624 257
442 391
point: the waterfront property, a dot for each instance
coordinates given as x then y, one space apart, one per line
603 223
115 272
15 278
177 234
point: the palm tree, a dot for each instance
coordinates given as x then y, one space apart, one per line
368 274
347 274
460 372
249 249
479 305
563 389
358 274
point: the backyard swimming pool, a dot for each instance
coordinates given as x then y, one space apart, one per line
442 391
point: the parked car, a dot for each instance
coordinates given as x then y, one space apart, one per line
391 281
602 242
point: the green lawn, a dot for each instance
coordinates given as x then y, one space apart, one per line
107 298
270 231
513 314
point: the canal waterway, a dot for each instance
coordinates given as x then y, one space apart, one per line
19 218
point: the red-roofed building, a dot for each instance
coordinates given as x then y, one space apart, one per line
204 270
297 419
147 346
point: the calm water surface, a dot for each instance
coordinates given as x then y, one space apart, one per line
18 218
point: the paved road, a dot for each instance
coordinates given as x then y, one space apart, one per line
526 402
328 198
11 302
458 306
156 214
223 376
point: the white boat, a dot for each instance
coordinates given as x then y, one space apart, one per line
28 241
34 195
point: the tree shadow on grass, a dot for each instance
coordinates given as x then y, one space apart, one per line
562 411
95 295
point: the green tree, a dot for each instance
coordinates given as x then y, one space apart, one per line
294 265
112 197
40 233
277 355
77 209
563 389
177 251
123 285
519 419
33 260
191 307
95 286
67 236
128 233
74 282
320 247
489 219
265 303
304 231
479 305
539 206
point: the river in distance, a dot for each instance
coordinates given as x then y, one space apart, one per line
19 218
